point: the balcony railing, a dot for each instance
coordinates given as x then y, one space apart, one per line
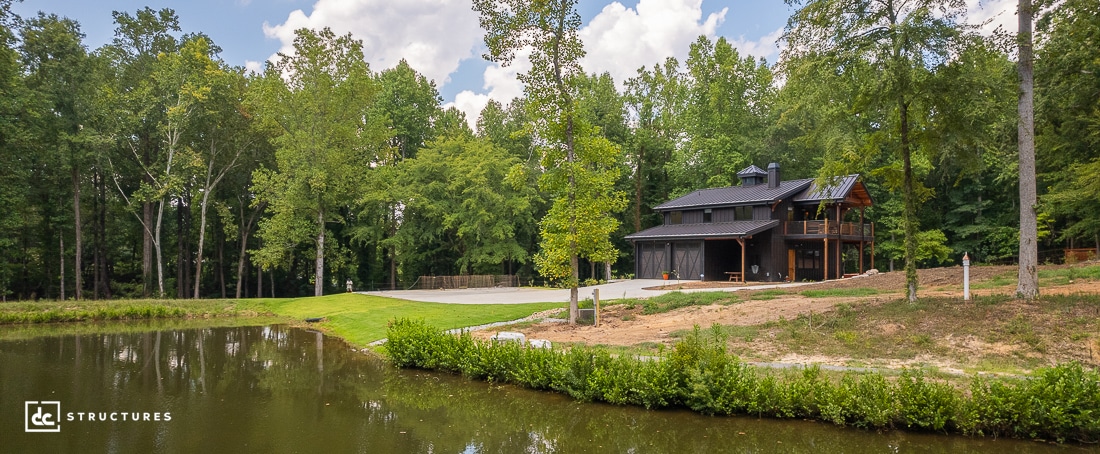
834 228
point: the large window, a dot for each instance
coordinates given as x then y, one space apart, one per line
742 213
676 217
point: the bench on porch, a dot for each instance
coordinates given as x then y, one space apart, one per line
734 275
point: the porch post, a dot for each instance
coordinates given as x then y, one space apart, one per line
862 235
741 241
839 242
825 259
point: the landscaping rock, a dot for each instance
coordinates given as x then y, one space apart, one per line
509 336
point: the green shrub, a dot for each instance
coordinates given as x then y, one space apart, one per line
1061 403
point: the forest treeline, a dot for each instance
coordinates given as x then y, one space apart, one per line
151 167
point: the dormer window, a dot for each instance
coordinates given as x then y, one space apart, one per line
706 215
742 213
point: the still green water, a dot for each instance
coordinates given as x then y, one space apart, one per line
282 389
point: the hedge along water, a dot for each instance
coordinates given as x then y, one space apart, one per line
1060 403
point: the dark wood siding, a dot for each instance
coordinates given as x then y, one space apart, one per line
762 212
723 215
693 217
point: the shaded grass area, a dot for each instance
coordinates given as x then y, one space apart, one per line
359 319
840 292
78 311
1047 277
27 331
362 319
990 333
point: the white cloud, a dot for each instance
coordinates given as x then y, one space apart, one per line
767 46
432 35
620 40
254 66
998 13
501 84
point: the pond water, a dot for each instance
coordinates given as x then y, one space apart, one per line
283 389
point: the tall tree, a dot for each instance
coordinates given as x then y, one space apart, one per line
139 39
891 50
581 165
218 132
1028 284
320 101
468 198
1067 75
411 104
59 69
730 97
14 100
657 98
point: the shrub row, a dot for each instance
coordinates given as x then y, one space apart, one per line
1061 403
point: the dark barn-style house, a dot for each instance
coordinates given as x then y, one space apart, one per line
765 229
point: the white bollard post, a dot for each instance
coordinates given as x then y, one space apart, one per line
966 277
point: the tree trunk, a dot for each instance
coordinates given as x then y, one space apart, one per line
202 228
157 249
319 272
638 177
221 266
181 259
103 279
909 203
61 253
96 267
1028 283
147 249
246 230
78 257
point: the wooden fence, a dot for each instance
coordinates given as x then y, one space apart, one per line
467 281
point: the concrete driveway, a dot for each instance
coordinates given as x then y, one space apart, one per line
633 288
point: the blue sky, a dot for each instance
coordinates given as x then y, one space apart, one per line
441 38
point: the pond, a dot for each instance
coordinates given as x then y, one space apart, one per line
283 389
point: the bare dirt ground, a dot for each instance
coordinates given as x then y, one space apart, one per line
935 340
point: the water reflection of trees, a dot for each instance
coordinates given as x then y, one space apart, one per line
284 389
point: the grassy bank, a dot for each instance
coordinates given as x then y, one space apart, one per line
1059 403
990 333
359 319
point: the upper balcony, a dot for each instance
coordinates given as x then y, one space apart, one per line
820 229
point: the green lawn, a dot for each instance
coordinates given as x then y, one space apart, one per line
361 319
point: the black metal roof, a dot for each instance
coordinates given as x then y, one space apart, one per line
836 191
737 195
704 230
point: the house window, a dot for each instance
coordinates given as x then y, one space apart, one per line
742 213
676 217
706 215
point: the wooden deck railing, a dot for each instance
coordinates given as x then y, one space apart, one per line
834 228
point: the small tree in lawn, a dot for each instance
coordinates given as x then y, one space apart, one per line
580 165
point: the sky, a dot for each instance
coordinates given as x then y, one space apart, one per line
442 40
